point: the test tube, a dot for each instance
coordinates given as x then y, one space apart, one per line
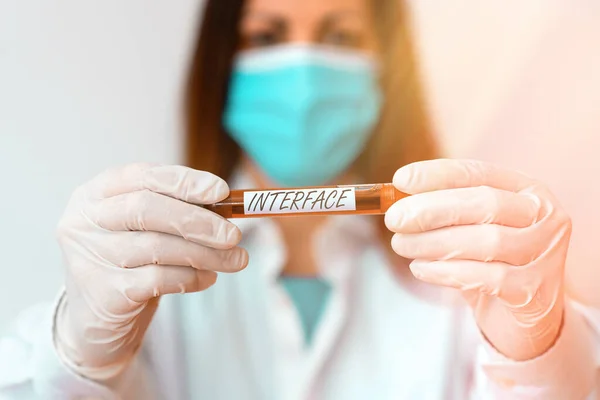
322 200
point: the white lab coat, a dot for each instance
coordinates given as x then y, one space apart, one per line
382 336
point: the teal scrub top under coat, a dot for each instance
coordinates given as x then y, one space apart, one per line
309 295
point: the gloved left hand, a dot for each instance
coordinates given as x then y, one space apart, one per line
498 236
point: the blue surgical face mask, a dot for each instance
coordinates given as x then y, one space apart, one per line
303 113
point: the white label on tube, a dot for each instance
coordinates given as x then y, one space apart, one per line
300 200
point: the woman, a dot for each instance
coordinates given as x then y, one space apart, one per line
287 93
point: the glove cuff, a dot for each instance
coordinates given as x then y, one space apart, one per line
70 357
565 371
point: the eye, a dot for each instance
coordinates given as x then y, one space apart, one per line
261 39
342 38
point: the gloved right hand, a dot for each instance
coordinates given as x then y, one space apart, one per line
128 237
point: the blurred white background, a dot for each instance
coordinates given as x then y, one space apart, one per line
83 86
87 85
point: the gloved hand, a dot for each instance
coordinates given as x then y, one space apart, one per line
498 236
128 237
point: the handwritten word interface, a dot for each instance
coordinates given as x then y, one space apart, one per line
299 200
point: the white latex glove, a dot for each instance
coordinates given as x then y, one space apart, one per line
498 236
128 237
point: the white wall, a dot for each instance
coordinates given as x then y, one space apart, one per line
85 85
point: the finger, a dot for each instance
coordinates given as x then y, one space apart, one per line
465 275
472 242
149 211
495 279
464 206
427 176
118 180
187 184
183 183
149 281
135 249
